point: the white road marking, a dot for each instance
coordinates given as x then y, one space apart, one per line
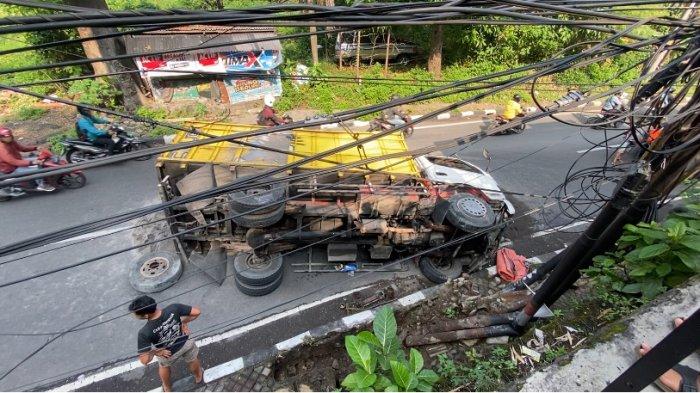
557 229
448 125
411 299
83 381
91 235
222 370
597 148
356 319
292 342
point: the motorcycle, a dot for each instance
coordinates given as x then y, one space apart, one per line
382 124
72 180
80 150
499 121
604 120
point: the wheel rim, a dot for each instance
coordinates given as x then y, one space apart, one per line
71 181
440 264
154 267
255 263
78 156
472 207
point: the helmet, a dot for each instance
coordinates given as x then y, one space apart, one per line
84 111
5 132
517 97
269 100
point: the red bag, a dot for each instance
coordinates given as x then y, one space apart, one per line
509 265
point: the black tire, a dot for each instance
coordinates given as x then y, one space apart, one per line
245 200
469 213
260 220
76 156
155 271
519 129
439 271
408 131
72 181
258 290
250 273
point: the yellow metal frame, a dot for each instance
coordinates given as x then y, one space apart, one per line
306 142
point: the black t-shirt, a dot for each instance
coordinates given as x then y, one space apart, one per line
166 331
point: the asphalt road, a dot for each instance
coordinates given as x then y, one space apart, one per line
533 162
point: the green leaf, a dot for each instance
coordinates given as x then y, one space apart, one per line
652 288
360 353
428 376
664 269
382 383
692 242
629 238
401 374
632 288
693 262
369 338
653 233
392 388
424 387
653 250
384 326
415 360
633 255
359 380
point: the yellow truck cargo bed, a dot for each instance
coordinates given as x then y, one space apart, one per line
301 141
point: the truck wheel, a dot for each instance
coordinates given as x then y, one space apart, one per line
155 272
260 220
246 200
469 213
258 290
439 270
253 271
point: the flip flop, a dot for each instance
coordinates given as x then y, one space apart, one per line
688 380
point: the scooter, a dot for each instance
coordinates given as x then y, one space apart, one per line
499 121
382 124
72 180
604 120
80 150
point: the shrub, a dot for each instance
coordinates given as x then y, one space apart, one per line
29 113
94 92
152 112
478 373
380 362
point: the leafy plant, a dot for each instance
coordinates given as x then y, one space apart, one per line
94 92
650 258
549 355
29 113
54 141
478 373
151 112
450 312
380 362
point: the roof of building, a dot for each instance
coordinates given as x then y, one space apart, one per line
196 35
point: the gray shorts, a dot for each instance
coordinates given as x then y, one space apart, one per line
188 353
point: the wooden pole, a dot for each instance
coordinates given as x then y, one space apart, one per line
386 57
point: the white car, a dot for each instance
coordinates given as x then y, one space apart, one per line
450 170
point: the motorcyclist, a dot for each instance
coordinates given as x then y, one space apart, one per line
613 105
85 125
11 161
395 115
268 116
513 108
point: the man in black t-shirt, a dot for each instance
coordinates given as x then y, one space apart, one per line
166 336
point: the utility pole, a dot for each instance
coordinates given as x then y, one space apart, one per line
130 84
313 38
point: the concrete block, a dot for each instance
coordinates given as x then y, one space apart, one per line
331 125
467 113
596 103
488 112
414 117
443 116
360 123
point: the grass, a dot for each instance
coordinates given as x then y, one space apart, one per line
28 113
480 372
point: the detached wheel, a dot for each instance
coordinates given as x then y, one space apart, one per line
72 181
253 271
258 290
155 272
439 270
469 213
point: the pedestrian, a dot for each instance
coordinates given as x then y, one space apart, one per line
166 336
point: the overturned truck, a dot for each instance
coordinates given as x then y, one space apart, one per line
360 216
